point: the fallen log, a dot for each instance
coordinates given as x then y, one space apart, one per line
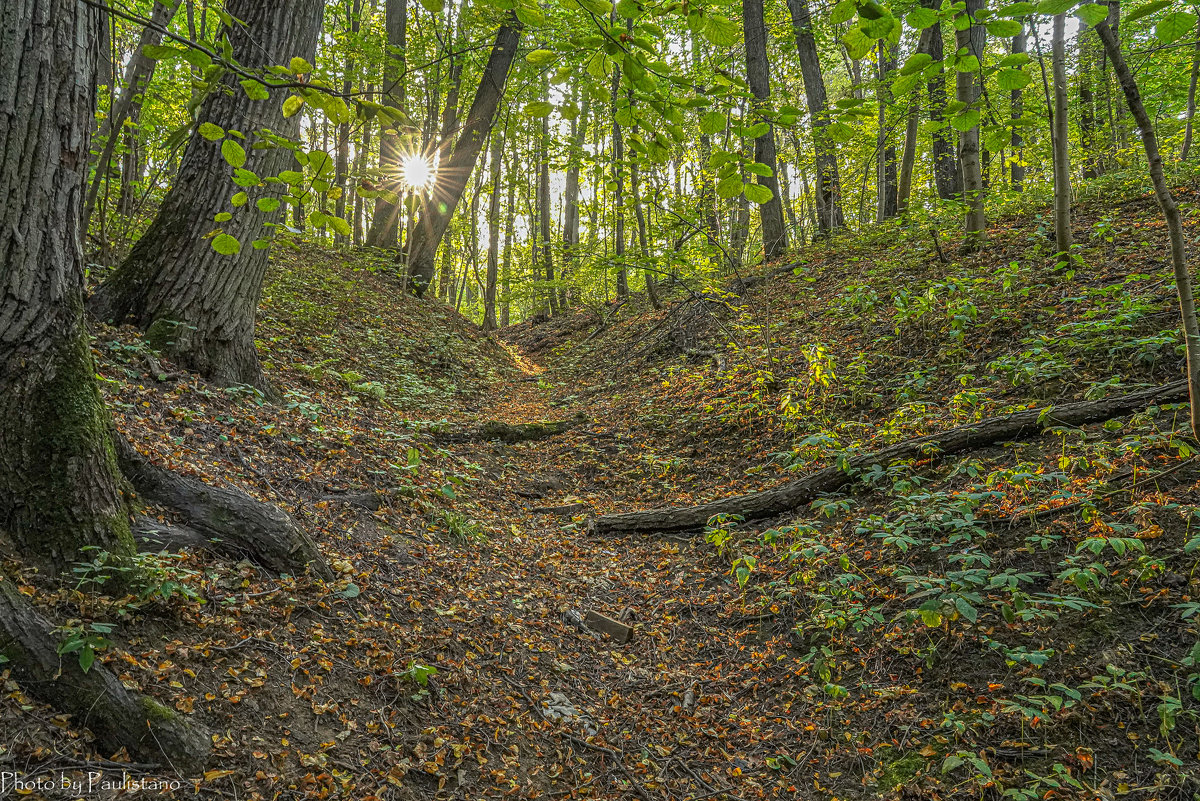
120 718
231 521
793 494
513 433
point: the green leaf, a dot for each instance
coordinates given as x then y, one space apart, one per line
858 44
87 658
351 591
915 63
757 193
1004 28
1092 13
538 108
757 130
239 200
254 89
721 31
260 244
967 63
1054 7
1175 25
730 186
712 122
160 51
339 226
843 11
299 66
1010 79
758 168
1017 9
292 105
879 27
233 153
839 132
966 120
211 132
921 18
267 204
629 8
539 58
966 610
291 177
931 615
1146 10
222 216
226 245
244 177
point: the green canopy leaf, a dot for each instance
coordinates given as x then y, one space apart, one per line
226 245
757 193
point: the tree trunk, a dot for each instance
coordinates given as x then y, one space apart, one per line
137 77
972 37
1162 192
385 219
1062 159
758 76
510 217
618 201
946 172
643 243
887 192
570 236
354 15
544 209
828 184
1191 99
194 303
493 256
1087 110
456 171
1016 111
934 447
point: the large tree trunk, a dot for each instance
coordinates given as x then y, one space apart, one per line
59 481
971 37
1062 159
194 303
137 77
354 15
758 76
934 447
828 185
1162 192
383 232
456 171
1016 111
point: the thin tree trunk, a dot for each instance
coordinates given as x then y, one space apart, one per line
506 271
758 76
1162 192
354 14
643 243
1016 111
828 183
1087 110
618 201
194 303
887 205
493 256
385 220
1062 159
971 37
570 244
544 210
457 169
138 73
1191 99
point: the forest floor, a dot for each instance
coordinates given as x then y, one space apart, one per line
1020 621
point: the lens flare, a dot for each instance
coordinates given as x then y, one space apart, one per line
418 172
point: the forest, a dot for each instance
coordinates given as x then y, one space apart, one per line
663 400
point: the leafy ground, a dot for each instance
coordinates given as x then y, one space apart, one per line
1021 621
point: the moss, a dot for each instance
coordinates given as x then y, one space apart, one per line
70 488
156 712
900 768
162 333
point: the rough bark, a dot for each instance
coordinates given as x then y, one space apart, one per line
59 481
758 76
456 171
1087 109
138 73
887 189
191 301
232 521
96 699
354 16
1162 192
570 236
383 232
972 37
1062 159
618 200
546 255
828 183
493 254
1016 174
934 447
946 173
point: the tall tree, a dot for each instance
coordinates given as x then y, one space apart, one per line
758 76
887 193
618 202
342 166
493 254
970 36
570 236
1191 99
456 170
1016 111
385 219
1062 159
947 175
195 303
828 184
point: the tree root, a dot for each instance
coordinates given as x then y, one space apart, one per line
789 496
223 520
119 718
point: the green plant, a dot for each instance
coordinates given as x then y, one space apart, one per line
83 640
149 576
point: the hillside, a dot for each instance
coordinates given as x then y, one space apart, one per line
1018 619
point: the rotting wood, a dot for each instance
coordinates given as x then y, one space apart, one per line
789 496
513 433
